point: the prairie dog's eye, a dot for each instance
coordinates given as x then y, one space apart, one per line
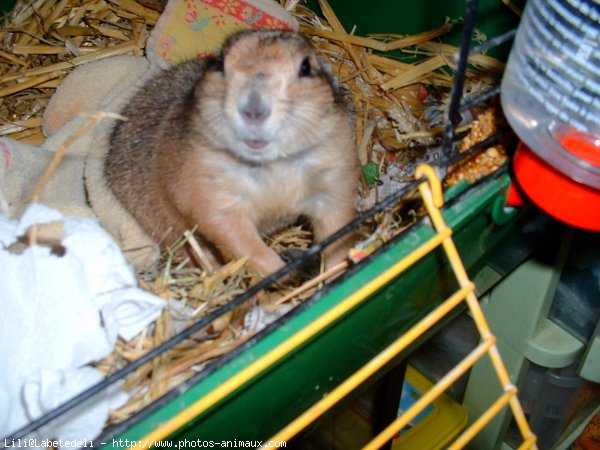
305 68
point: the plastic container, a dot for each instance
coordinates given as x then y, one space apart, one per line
554 403
551 87
549 398
437 425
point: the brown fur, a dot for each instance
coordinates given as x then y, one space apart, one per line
239 150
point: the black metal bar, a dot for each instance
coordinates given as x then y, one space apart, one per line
454 115
387 400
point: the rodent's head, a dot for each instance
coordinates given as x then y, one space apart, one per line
273 98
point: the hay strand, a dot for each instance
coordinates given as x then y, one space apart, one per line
415 73
316 281
29 83
199 253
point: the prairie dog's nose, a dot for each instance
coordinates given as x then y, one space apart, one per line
254 109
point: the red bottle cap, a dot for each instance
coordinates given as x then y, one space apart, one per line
557 194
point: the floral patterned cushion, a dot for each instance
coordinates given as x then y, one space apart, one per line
195 28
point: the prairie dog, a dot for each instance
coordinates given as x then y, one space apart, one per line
239 146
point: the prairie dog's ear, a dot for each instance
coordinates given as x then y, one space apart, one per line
327 70
325 65
215 63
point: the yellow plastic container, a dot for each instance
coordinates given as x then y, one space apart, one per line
433 429
437 425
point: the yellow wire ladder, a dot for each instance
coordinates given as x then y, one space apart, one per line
431 193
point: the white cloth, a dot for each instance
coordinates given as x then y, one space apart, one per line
58 315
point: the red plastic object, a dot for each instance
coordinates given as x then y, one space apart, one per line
514 196
560 196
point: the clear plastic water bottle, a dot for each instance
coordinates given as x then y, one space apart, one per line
551 86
